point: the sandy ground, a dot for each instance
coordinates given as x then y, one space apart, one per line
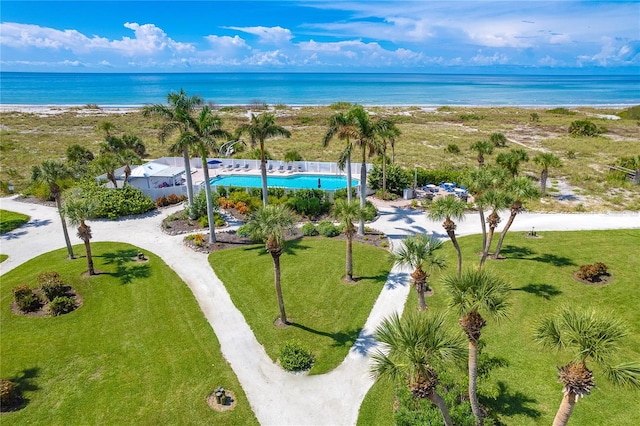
276 397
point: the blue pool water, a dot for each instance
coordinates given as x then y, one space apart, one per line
296 181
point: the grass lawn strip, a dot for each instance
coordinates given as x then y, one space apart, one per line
139 349
540 271
11 220
326 313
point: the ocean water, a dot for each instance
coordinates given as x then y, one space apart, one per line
320 89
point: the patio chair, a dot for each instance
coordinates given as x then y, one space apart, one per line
246 167
281 169
289 170
270 168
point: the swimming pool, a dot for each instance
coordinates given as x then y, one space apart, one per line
295 181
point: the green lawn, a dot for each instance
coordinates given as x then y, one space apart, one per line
327 314
540 271
11 220
3 257
139 350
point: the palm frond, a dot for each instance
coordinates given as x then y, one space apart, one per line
625 374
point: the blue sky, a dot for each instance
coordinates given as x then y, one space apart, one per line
321 36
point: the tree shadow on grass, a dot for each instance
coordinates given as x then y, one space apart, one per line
511 403
25 382
127 269
528 254
516 252
554 260
546 291
340 339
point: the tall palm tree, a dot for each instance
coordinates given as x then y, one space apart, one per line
478 182
261 128
51 172
414 347
449 208
389 134
77 210
498 200
519 189
472 294
348 212
176 116
546 160
482 148
269 224
588 336
340 126
418 252
206 128
368 132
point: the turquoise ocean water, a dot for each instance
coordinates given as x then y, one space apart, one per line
320 89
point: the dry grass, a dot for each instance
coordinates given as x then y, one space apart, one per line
27 139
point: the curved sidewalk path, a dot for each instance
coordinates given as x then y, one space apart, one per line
276 397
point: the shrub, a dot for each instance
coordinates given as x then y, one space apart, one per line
309 230
242 208
114 203
561 111
470 116
9 395
591 272
175 199
632 113
397 178
534 117
51 285
452 148
370 211
162 201
203 221
328 229
25 298
295 357
198 239
584 128
243 231
498 140
292 156
61 305
225 203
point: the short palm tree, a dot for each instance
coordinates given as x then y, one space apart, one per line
348 213
546 160
261 128
511 160
482 148
78 209
588 336
340 126
497 200
472 294
418 252
518 189
176 115
269 224
449 208
51 172
204 131
413 349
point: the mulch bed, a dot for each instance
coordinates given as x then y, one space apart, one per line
43 312
599 280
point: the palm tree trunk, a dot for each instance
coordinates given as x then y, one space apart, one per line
420 288
485 250
187 172
349 261
543 181
276 273
384 173
503 233
263 172
437 400
565 410
393 153
483 225
64 228
473 376
349 178
207 190
452 236
363 190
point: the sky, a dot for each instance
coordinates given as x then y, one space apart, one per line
561 36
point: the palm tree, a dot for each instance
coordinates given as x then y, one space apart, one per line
479 181
107 127
546 160
348 212
519 189
415 347
472 294
51 172
448 208
497 200
206 128
339 125
367 132
482 148
269 224
261 128
511 160
417 252
588 336
78 209
390 133
176 115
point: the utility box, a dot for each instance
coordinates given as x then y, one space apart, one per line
407 194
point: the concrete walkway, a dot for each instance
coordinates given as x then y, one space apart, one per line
276 397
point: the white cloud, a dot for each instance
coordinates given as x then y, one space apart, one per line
270 35
496 58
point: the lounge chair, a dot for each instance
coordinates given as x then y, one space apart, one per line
300 169
237 167
230 167
289 170
270 168
281 169
246 167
